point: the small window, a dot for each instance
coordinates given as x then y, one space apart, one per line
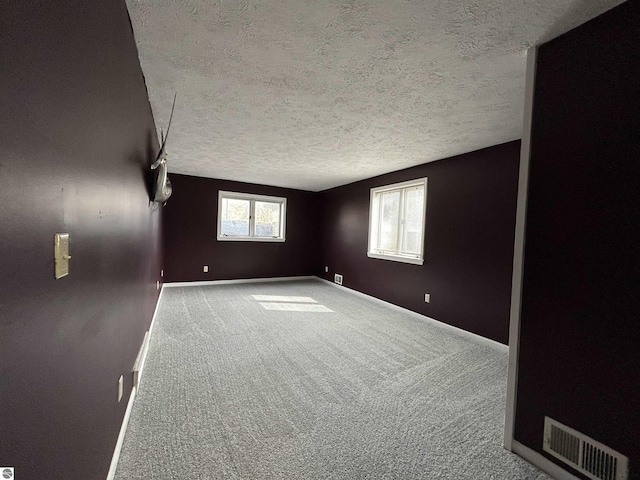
396 221
253 218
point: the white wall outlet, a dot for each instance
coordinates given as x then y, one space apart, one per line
120 388
161 273
337 278
205 269
326 269
427 297
158 285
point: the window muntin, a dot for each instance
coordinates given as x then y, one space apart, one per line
250 217
396 221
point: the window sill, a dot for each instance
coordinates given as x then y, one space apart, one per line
250 239
396 258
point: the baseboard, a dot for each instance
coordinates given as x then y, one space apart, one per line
459 331
123 431
137 376
542 462
240 280
138 366
155 312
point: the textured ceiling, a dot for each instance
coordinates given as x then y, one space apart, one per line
312 94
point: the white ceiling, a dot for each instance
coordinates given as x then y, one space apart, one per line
312 94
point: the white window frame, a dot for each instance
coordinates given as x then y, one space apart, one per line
252 198
374 222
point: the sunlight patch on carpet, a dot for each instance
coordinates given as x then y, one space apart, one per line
283 298
295 307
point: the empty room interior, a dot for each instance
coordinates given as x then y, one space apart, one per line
397 239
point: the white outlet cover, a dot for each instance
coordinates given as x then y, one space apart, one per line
326 269
427 297
205 269
120 388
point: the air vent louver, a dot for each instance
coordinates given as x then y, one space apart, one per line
581 452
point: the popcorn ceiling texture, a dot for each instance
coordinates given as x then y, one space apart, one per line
315 94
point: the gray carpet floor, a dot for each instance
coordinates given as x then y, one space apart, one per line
303 380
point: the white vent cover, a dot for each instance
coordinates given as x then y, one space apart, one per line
595 460
337 278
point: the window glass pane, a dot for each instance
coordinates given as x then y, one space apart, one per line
389 221
414 200
235 217
396 221
267 219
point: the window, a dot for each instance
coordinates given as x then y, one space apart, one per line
252 218
396 221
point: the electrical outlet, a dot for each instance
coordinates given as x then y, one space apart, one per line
162 273
158 285
326 269
205 269
120 388
427 297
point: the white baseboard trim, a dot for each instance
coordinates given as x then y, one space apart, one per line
142 355
123 430
459 331
240 280
542 462
137 375
155 312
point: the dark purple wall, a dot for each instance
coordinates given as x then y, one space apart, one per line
469 233
76 134
190 234
580 336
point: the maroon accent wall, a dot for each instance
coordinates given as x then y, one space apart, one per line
191 229
580 335
76 136
469 234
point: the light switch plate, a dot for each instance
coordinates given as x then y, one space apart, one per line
61 254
